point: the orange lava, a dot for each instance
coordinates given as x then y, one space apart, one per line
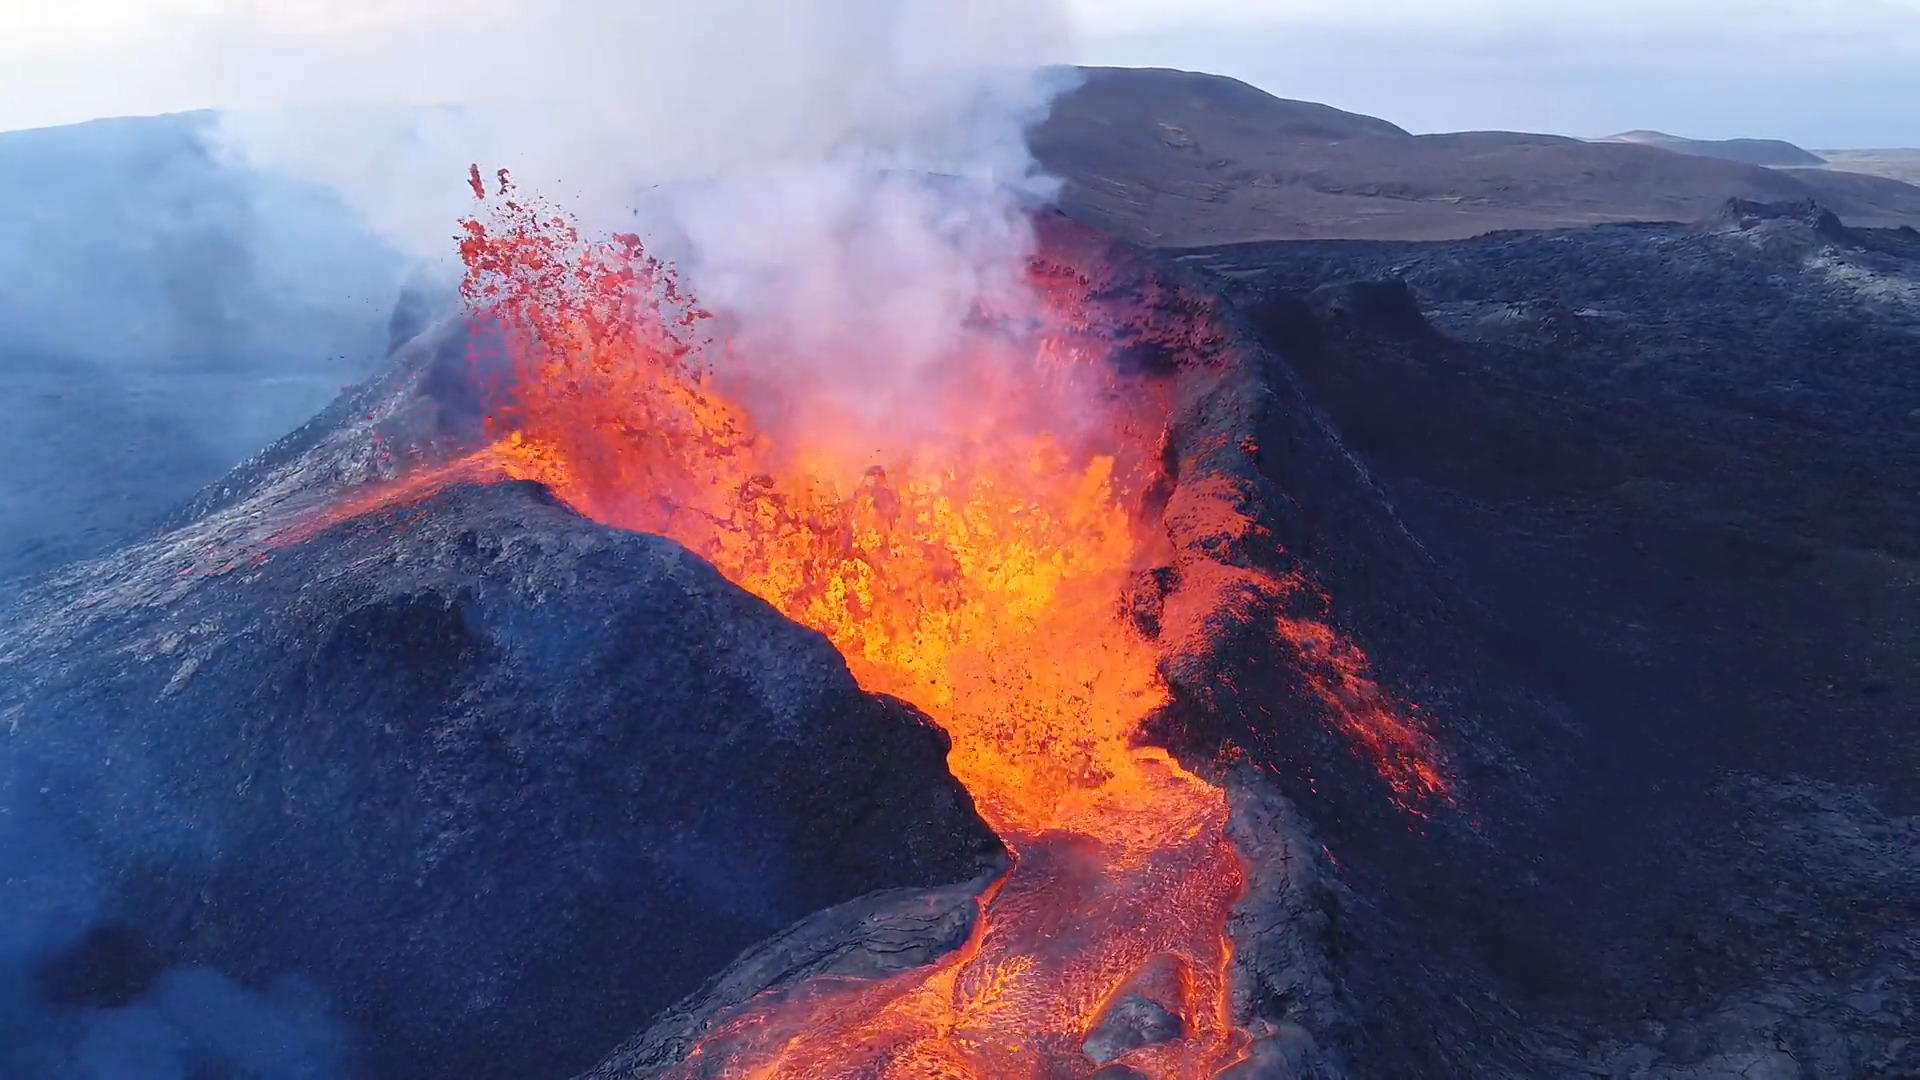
972 561
1336 671
975 569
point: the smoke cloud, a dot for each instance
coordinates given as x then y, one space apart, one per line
594 99
842 182
163 316
75 1003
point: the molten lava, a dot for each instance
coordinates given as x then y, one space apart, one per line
975 572
972 563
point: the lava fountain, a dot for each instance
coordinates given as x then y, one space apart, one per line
975 567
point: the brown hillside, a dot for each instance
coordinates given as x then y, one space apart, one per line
1176 159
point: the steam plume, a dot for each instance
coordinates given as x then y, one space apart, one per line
841 181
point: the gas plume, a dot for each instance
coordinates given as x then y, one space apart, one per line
843 184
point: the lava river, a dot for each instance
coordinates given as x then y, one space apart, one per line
972 562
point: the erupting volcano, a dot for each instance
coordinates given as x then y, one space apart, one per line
974 557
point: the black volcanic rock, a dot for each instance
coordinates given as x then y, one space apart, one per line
489 783
1745 213
1382 307
1806 216
871 938
1130 1023
1665 477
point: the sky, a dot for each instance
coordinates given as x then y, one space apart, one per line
1832 73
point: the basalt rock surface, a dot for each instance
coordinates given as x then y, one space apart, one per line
488 782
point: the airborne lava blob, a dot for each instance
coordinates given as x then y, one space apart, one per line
976 568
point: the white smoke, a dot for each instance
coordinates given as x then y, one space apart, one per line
839 180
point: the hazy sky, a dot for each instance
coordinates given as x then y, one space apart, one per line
1820 72
1824 73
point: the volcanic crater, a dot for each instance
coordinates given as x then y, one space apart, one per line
1125 722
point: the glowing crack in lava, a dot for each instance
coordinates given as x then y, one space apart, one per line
975 567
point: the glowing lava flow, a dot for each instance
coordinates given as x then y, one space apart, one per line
975 569
977 572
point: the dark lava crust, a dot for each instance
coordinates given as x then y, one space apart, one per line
1658 588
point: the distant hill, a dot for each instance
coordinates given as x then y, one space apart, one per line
1770 152
1172 158
1894 164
